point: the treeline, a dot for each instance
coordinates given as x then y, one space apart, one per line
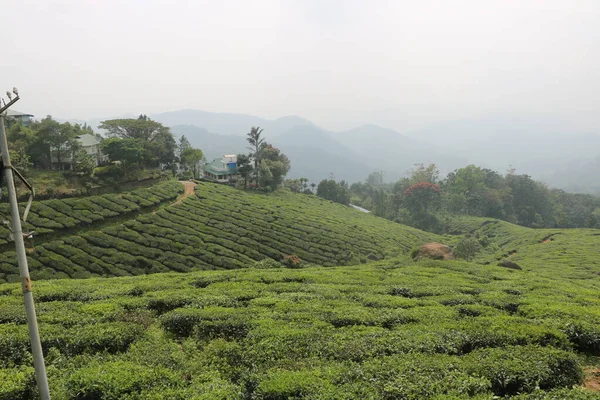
130 145
424 200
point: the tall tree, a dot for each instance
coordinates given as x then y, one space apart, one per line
275 164
244 167
142 128
184 144
256 144
191 158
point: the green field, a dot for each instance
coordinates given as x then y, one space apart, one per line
390 328
220 228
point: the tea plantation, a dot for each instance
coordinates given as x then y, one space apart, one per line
394 329
220 228
61 215
240 325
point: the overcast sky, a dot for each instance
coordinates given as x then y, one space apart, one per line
400 64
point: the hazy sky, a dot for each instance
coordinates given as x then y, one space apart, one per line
401 64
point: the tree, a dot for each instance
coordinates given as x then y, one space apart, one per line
142 128
157 141
191 158
422 197
59 140
331 190
130 152
277 164
83 163
421 173
244 167
294 185
184 144
375 179
256 144
313 186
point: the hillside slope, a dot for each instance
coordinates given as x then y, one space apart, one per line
548 252
221 227
395 329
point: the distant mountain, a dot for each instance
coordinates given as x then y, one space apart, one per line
312 151
542 147
395 153
212 145
228 124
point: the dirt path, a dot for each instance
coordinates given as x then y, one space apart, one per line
189 190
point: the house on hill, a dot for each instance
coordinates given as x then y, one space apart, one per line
89 143
222 169
19 116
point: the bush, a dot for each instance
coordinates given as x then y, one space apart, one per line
267 263
292 261
522 369
17 383
117 380
467 248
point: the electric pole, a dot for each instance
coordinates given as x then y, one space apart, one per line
34 335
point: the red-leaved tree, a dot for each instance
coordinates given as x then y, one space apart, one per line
422 197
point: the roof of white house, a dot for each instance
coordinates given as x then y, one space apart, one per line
88 140
14 113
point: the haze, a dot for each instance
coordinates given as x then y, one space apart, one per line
401 64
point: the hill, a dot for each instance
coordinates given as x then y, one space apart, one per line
392 328
219 227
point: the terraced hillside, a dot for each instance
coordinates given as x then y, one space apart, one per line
62 216
220 228
549 252
394 329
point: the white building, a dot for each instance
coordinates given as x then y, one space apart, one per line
89 143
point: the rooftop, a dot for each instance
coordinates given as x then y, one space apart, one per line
88 140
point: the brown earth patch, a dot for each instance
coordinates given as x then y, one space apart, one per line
435 251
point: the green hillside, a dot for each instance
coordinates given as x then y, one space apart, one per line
218 228
549 252
394 329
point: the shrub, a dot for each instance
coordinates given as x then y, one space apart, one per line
16 383
292 261
117 380
467 248
522 369
267 263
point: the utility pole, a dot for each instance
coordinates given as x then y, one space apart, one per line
34 335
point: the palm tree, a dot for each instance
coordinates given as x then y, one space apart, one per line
256 143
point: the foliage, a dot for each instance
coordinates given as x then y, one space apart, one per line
244 167
466 248
190 160
139 142
334 191
383 330
49 217
474 191
207 231
83 163
256 144
292 261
